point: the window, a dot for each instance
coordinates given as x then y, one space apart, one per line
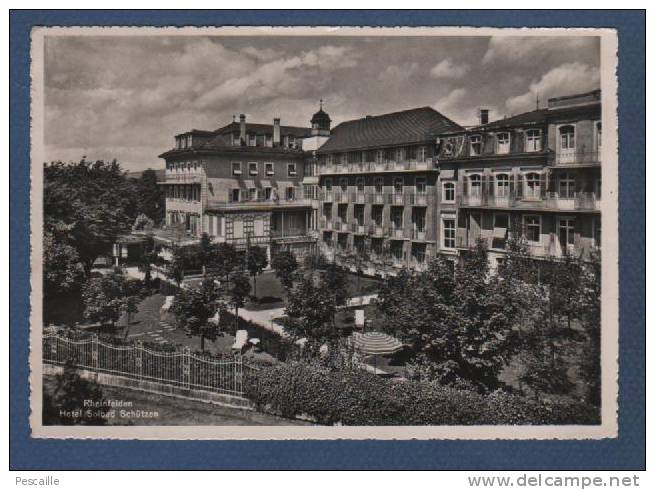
532 226
420 185
248 227
376 215
422 154
358 214
268 193
418 219
502 185
291 193
448 192
396 249
502 143
410 153
597 231
566 232
475 185
291 169
397 216
252 168
533 185
398 185
400 154
532 140
599 135
252 194
328 185
236 168
360 184
567 137
476 145
327 211
342 212
448 232
269 168
379 185
252 140
343 183
567 186
235 195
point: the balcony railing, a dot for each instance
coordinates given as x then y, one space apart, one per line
289 233
358 227
358 197
375 198
387 166
576 158
579 201
376 230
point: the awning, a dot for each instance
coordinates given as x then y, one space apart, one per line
376 343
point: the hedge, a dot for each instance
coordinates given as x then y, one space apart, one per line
360 398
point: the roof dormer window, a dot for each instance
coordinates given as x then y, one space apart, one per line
476 145
502 143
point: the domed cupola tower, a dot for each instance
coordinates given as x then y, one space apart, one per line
321 122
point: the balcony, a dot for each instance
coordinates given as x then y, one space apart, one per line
399 233
584 158
358 228
297 201
375 198
340 196
376 167
358 197
339 225
418 233
540 200
192 176
396 198
376 230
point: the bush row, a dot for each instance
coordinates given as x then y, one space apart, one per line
360 398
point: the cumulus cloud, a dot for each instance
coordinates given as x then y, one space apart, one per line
566 79
447 69
510 50
399 73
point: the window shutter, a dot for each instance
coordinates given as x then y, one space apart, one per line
465 190
542 185
492 185
483 186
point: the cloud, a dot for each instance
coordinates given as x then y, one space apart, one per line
399 73
512 50
566 79
447 69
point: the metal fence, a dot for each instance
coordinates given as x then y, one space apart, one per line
176 368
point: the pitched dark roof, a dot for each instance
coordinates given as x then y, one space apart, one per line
265 129
397 128
537 116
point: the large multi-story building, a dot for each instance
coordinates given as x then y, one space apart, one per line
242 183
537 172
378 178
395 188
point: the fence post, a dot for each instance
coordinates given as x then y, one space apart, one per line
138 359
186 367
94 352
238 374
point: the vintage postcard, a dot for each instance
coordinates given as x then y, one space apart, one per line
324 233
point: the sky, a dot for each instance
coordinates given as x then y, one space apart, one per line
126 97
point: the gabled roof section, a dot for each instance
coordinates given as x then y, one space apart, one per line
396 128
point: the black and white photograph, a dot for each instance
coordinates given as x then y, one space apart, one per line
320 233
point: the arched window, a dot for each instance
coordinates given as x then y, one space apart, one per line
567 137
502 143
502 185
476 145
475 185
533 185
533 140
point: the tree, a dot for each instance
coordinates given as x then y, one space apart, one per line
285 265
455 318
92 201
589 300
68 397
148 257
143 223
107 297
225 260
239 290
195 306
256 262
335 282
151 198
311 309
176 265
62 270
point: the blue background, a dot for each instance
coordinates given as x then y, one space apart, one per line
626 452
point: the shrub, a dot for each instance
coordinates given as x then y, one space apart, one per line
358 398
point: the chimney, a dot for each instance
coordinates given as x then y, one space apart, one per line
242 121
484 116
276 131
